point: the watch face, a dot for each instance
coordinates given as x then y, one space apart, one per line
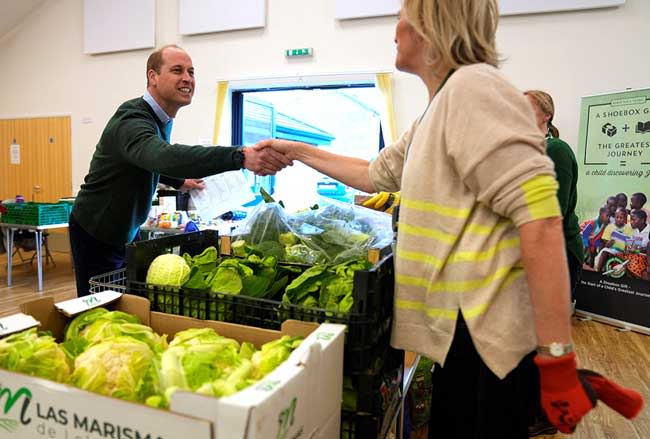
556 349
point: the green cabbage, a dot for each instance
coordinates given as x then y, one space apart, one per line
34 354
169 270
121 367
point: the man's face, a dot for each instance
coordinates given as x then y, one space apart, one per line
635 202
621 200
173 87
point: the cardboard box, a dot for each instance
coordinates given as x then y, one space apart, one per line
331 429
285 404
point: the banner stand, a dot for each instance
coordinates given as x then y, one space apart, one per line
613 181
619 324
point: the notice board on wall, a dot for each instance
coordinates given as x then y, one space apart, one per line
118 25
205 16
346 9
514 7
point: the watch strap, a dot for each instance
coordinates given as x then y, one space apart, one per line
555 349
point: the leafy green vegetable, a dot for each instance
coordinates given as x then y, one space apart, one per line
273 354
165 275
204 262
34 354
109 324
81 321
168 270
122 367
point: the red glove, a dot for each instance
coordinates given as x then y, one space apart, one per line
568 394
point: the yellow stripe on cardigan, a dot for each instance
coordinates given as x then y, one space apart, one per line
456 257
453 286
540 193
448 238
451 314
425 232
426 206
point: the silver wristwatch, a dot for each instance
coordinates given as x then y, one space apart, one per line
555 349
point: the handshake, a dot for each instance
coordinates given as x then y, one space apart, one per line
268 156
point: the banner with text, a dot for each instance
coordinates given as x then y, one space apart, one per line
613 186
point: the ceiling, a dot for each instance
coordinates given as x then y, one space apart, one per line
13 12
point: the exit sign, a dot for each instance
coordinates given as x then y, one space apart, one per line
306 51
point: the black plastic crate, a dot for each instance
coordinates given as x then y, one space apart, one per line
369 321
140 254
375 389
364 426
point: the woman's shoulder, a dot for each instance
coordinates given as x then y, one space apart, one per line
558 148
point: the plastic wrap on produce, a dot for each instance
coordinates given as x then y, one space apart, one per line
333 233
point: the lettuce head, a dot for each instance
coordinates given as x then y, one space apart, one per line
34 354
121 367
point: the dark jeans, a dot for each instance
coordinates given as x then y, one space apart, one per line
92 257
470 402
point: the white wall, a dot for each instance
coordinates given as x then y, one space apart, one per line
45 73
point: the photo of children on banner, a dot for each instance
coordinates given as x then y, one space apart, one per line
592 232
616 241
626 247
614 238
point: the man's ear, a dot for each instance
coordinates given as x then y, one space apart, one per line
152 76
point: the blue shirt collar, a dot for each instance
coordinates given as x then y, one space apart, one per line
164 118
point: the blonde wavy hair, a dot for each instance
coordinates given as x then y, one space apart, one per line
456 32
545 103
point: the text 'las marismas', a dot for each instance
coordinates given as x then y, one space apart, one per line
19 410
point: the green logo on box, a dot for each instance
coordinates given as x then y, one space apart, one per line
268 386
11 399
326 336
90 301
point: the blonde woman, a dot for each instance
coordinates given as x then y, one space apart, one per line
481 271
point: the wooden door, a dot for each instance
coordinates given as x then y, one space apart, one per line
44 172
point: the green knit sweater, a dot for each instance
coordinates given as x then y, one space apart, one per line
566 170
129 159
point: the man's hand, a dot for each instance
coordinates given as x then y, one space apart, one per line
191 183
286 147
263 160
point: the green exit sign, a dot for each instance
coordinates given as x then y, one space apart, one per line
305 51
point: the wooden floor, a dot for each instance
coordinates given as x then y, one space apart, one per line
623 356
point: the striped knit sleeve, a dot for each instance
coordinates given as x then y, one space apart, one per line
385 171
496 147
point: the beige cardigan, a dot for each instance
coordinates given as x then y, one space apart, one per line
475 170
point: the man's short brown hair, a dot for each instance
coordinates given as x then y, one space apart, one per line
155 60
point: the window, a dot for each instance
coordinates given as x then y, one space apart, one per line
341 118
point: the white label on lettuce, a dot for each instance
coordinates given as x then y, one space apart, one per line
16 323
80 304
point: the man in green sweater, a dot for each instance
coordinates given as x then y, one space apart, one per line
133 155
